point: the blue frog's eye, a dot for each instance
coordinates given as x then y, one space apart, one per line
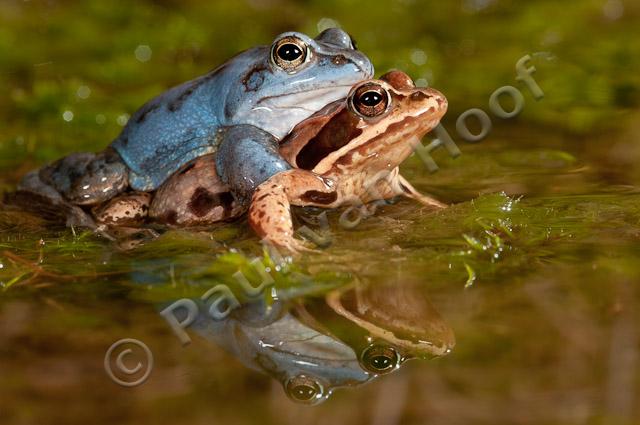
289 53
304 389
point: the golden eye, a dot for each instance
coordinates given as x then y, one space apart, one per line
379 359
370 100
289 53
304 389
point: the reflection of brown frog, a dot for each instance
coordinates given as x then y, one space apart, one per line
384 324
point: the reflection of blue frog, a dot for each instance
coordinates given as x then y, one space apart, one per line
264 337
309 364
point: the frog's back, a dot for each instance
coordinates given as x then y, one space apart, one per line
177 126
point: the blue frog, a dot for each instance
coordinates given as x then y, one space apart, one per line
237 114
308 363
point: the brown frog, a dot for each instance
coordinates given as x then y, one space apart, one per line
349 153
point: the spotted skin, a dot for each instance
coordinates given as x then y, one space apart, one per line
195 196
127 210
269 213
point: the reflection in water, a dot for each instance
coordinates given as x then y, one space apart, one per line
308 363
344 338
385 324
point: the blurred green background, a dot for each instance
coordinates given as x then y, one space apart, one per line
543 233
101 60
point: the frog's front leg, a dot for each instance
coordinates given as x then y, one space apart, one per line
247 156
38 197
270 210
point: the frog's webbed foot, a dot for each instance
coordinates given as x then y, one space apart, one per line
127 238
290 244
270 210
399 186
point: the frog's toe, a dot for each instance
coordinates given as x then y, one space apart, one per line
301 247
291 245
76 217
126 238
432 203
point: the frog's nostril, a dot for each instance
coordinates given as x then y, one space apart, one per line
438 97
418 96
339 60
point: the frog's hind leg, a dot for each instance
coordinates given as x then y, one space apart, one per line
270 210
128 210
57 191
123 219
195 196
387 185
34 195
86 178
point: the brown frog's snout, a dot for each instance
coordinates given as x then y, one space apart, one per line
404 84
442 102
430 98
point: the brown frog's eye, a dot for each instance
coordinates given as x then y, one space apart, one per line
289 53
304 389
379 359
370 100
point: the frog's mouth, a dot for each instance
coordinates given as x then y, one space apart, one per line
324 132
